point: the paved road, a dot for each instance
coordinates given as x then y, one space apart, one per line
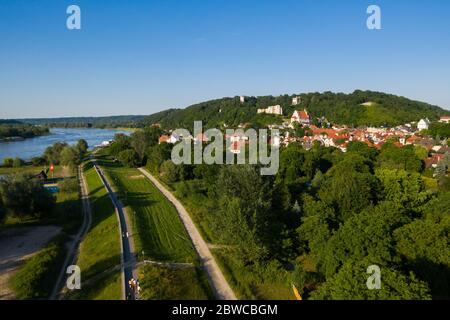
128 259
86 225
220 286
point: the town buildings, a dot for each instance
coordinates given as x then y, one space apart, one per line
272 110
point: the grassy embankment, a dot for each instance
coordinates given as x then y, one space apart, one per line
36 277
159 232
100 249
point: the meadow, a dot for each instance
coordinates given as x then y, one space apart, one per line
100 249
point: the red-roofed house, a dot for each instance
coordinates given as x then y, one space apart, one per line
301 117
445 119
163 138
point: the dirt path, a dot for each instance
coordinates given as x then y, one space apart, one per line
220 286
73 247
17 245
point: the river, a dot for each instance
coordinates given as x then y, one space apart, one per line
33 147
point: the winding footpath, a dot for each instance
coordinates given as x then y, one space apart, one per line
72 252
219 284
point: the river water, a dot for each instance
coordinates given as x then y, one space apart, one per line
33 147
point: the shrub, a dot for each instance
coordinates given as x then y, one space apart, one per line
17 163
37 161
8 162
129 158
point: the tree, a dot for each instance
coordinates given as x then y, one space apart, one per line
350 283
405 158
71 157
362 149
53 153
368 234
17 163
243 214
23 196
129 158
139 143
406 189
156 155
8 162
424 244
82 146
317 226
349 186
169 172
121 143
37 161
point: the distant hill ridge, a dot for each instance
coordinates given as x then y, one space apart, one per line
355 109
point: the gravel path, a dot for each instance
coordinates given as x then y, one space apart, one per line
220 286
74 245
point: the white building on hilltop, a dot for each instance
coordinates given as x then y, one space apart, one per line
242 99
296 101
423 124
272 110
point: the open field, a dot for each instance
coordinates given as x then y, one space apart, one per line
100 249
156 225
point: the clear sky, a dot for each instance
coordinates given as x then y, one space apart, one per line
140 57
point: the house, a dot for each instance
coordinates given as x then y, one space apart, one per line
201 137
173 138
163 138
432 162
445 119
272 110
423 124
301 117
242 99
296 101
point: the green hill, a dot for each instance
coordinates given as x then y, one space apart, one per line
339 108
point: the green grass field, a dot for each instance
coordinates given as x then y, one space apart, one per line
100 249
156 224
163 283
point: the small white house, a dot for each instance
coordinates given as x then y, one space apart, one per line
423 124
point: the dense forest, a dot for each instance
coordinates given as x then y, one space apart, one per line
379 109
320 222
88 122
10 129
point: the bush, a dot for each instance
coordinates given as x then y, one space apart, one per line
8 162
169 172
17 163
37 161
24 196
129 158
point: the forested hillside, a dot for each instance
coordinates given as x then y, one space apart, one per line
339 108
16 129
85 122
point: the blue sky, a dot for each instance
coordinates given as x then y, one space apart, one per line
140 57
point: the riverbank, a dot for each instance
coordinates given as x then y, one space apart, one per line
26 149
